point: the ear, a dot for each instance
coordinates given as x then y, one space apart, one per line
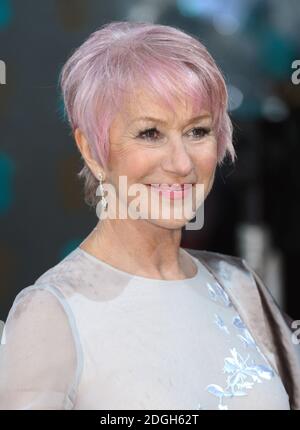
85 150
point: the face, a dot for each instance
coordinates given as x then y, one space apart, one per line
171 149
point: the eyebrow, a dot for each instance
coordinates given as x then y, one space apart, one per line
150 118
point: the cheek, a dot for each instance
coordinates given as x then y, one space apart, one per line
132 162
206 164
206 156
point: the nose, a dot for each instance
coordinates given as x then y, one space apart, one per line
177 160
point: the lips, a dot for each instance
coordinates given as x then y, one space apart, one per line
172 187
173 192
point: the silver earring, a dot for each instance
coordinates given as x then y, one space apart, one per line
103 200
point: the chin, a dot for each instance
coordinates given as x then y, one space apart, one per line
169 224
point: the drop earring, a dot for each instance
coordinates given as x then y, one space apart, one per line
103 200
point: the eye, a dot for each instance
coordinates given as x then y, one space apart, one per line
148 133
201 132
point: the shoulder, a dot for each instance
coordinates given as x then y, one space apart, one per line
43 308
234 273
65 276
36 311
225 264
205 254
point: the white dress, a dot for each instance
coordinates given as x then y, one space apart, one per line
87 335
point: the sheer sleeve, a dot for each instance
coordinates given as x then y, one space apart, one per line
38 353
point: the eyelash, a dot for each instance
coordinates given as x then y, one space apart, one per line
205 130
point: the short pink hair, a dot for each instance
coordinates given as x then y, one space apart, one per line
111 63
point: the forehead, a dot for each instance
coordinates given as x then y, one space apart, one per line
144 103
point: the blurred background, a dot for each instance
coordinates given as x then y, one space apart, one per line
253 209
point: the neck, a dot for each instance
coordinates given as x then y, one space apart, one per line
140 247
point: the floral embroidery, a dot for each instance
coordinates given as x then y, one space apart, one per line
241 377
220 323
245 335
241 373
217 293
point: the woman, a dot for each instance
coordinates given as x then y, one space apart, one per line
129 319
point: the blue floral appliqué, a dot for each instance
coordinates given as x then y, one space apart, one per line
241 377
